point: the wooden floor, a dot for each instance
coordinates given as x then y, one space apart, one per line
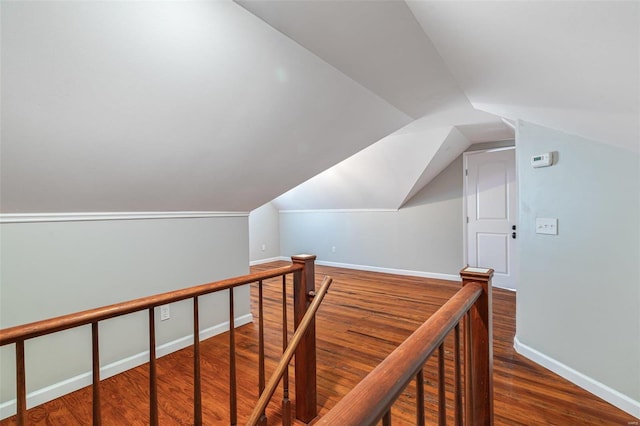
363 318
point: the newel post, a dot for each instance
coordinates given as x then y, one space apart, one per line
478 352
304 282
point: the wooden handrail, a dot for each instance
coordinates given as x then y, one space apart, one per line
275 378
303 283
367 403
65 322
372 398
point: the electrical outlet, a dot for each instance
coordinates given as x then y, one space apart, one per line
165 312
264 247
333 249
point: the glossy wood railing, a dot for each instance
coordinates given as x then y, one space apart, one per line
371 400
302 269
282 367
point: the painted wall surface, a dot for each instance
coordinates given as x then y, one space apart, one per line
425 235
55 268
167 106
579 292
264 228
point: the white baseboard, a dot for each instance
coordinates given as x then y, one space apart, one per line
407 272
601 390
80 381
268 260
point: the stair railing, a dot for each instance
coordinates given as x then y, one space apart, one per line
303 271
371 400
257 416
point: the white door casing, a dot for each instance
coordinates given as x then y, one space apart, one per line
491 213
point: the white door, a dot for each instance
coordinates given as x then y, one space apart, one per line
491 208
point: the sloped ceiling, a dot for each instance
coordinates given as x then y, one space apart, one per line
379 44
382 46
572 66
219 106
167 106
373 178
388 173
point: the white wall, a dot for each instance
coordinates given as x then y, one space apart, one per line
424 236
55 268
264 229
579 293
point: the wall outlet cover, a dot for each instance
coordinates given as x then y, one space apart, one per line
165 312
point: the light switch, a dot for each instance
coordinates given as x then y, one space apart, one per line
546 225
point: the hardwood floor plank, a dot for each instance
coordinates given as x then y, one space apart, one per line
363 318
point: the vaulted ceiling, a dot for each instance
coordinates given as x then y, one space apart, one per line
381 45
222 106
571 65
168 106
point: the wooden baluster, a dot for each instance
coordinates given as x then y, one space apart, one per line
95 349
468 366
283 364
457 387
386 419
420 398
233 393
197 383
153 382
286 403
261 379
479 351
442 396
21 387
305 366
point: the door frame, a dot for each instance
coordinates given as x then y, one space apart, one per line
465 238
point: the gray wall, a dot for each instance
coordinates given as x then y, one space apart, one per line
425 235
54 268
579 292
264 229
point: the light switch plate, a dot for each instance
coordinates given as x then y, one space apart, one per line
545 225
165 312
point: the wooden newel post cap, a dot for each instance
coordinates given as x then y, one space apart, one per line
472 273
303 258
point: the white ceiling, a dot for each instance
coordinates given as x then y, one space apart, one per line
379 44
572 65
161 106
388 173
378 177
167 106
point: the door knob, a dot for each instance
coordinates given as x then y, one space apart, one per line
513 227
513 235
